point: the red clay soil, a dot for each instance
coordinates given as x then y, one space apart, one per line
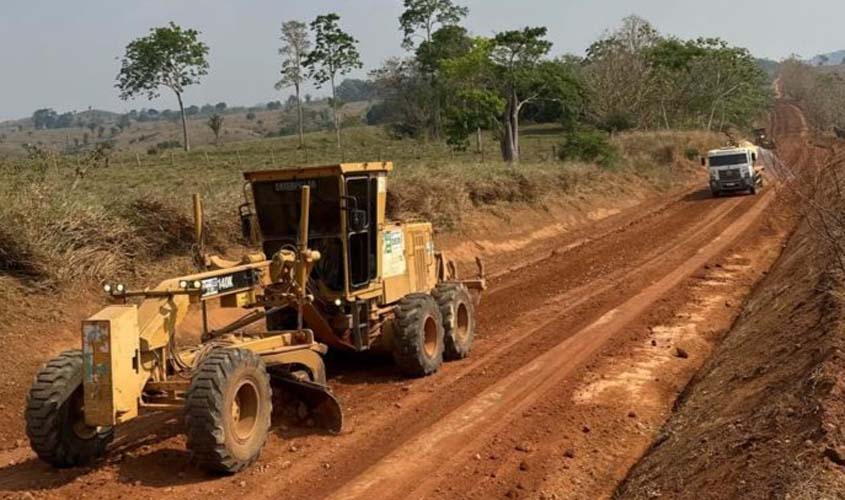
764 418
578 360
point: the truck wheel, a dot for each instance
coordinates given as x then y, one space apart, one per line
55 417
458 313
753 189
418 338
227 410
715 193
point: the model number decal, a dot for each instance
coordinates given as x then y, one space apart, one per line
222 284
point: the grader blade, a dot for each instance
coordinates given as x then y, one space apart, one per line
322 405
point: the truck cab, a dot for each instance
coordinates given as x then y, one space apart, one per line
733 169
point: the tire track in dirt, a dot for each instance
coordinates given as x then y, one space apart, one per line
412 463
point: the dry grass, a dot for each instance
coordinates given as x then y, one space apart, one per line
57 229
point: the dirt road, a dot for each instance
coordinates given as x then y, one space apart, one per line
579 357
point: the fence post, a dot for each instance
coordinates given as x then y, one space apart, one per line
138 159
272 157
238 151
207 161
172 163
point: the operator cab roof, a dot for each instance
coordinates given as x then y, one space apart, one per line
727 151
318 171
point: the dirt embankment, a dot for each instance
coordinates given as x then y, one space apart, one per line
764 418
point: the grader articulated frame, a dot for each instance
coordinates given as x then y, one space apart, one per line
349 280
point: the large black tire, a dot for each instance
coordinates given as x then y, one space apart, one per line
418 335
458 313
227 411
55 419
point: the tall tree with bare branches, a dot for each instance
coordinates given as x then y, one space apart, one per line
295 48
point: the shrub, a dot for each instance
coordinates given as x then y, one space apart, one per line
691 153
589 145
169 145
60 238
664 155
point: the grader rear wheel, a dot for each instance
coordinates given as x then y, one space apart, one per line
55 417
458 313
227 411
418 341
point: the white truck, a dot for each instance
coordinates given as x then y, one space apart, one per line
734 169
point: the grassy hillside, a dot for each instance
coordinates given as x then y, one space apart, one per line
140 137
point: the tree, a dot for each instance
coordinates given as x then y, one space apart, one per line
407 97
620 82
355 90
295 47
517 56
64 120
435 24
168 57
215 123
448 42
493 82
425 15
705 80
220 107
44 118
473 110
476 103
334 55
124 122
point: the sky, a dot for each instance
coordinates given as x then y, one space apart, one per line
64 54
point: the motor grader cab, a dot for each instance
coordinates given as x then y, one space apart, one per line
332 273
763 139
380 284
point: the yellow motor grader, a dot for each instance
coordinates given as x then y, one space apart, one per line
333 272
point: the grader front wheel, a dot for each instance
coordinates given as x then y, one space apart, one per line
55 418
228 409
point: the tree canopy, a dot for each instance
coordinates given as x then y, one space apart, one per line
334 54
169 57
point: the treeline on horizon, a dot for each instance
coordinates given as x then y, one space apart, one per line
453 85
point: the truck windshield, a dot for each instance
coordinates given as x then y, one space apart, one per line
724 160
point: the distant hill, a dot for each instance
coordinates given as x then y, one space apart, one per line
829 59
